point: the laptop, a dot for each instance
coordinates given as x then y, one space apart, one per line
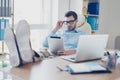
90 47
55 44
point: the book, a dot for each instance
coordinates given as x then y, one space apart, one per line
86 67
93 8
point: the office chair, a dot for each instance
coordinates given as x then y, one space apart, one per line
81 25
117 42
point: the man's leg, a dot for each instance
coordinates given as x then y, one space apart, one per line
23 37
23 40
11 44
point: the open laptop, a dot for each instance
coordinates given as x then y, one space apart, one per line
55 44
90 47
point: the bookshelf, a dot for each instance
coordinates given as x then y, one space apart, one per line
6 18
91 11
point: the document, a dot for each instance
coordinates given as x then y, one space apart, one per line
86 67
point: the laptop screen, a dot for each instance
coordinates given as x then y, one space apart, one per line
91 46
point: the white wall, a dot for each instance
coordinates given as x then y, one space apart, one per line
109 20
54 12
63 7
76 5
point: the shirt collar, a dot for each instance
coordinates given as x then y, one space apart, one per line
73 31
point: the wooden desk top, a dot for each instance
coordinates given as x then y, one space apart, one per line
46 70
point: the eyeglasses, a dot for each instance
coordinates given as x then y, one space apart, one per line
69 22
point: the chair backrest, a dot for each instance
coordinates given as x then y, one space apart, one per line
117 42
82 24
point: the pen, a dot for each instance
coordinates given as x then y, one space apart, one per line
60 68
108 53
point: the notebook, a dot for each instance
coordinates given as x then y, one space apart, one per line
86 67
90 47
55 44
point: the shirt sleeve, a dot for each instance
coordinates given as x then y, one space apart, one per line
45 42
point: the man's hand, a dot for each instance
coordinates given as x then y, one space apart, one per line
58 26
66 52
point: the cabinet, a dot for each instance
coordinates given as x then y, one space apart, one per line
91 11
6 17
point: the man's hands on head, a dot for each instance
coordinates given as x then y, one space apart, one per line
66 52
58 26
62 52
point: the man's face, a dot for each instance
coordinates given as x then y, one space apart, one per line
71 23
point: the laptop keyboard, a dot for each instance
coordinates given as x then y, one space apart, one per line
72 58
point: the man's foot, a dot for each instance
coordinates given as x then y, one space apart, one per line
38 56
11 44
23 40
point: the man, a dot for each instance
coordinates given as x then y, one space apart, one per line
70 35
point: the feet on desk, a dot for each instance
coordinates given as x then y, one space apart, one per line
11 44
19 45
23 40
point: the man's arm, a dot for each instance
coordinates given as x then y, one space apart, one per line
67 52
45 42
58 26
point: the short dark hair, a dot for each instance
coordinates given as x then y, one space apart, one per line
71 13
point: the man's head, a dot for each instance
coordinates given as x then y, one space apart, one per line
71 20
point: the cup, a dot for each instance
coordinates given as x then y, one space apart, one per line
112 60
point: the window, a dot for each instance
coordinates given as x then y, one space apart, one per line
38 13
34 11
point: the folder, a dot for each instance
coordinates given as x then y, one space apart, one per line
0 8
4 8
93 8
93 21
3 24
9 8
86 67
1 29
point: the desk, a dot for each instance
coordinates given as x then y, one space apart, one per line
46 70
